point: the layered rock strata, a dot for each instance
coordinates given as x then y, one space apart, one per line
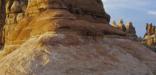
67 37
26 18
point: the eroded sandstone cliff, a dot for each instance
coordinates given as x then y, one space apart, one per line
27 18
67 37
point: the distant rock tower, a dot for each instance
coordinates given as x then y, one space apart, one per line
150 35
150 28
121 25
114 24
130 29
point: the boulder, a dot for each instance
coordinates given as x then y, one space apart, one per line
69 54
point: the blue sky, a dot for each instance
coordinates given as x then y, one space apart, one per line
139 12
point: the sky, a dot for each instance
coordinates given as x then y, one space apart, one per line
139 12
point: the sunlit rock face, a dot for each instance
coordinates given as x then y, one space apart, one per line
27 18
150 35
68 37
92 8
128 28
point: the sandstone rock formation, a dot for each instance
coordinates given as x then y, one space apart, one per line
85 18
114 25
61 54
121 25
128 28
67 37
150 35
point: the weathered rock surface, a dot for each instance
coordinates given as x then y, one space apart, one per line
67 37
35 17
59 54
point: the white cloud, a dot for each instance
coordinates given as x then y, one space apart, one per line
138 11
152 13
132 4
